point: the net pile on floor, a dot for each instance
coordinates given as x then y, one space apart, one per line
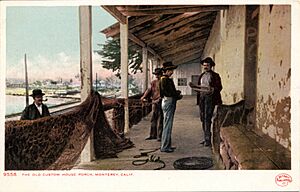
56 142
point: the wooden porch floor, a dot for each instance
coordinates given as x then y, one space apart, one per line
186 137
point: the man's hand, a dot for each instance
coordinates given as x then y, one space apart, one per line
191 84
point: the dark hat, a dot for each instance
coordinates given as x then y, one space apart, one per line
208 60
169 65
37 92
157 71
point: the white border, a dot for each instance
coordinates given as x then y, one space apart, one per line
213 180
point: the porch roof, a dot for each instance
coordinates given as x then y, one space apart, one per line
176 33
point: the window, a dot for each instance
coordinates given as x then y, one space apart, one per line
182 81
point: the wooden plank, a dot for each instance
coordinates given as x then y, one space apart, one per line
195 36
183 48
151 7
185 51
166 10
166 25
124 72
184 55
85 25
115 13
178 31
114 29
175 35
188 59
198 19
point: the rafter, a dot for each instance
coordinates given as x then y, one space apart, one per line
166 25
188 46
184 54
159 10
114 29
192 37
179 30
189 58
115 13
142 44
183 51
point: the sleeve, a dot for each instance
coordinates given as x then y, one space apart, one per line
25 114
219 86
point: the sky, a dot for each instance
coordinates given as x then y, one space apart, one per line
50 38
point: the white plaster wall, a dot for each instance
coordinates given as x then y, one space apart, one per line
274 71
226 44
186 71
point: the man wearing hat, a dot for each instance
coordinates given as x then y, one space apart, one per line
157 114
208 96
169 97
37 109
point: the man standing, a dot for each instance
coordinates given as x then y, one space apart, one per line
37 109
208 96
169 97
157 114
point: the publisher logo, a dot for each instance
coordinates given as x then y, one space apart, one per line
283 179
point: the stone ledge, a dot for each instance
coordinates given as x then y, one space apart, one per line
243 149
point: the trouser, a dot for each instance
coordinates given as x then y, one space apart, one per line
156 120
206 112
168 107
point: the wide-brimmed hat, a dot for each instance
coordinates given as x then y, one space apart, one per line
157 71
208 60
169 65
37 92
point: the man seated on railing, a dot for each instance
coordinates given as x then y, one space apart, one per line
37 109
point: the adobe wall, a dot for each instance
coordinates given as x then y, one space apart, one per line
274 73
226 46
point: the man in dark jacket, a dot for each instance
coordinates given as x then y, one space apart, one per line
208 96
169 96
37 109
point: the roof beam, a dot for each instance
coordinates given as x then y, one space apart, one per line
186 51
187 59
142 44
115 13
183 48
175 33
161 10
184 55
173 36
174 22
114 29
195 37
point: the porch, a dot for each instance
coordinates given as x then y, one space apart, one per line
186 137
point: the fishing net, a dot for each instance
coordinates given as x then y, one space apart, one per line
56 142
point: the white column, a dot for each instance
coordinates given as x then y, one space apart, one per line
124 71
155 62
145 68
85 24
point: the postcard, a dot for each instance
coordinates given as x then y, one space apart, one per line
149 96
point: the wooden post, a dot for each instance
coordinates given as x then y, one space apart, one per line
85 25
124 71
145 68
26 81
